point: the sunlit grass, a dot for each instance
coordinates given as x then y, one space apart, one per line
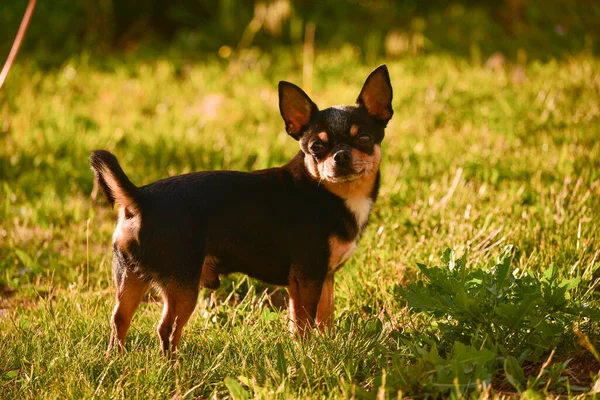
474 157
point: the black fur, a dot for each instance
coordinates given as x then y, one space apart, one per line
259 223
274 225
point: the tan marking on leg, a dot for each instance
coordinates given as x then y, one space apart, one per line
130 292
293 304
325 307
179 304
339 252
323 136
353 130
304 299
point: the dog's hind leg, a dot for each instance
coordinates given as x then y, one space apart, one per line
179 304
130 291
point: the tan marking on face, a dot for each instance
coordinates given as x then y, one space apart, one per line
311 166
127 229
353 130
361 186
339 252
323 136
357 192
327 167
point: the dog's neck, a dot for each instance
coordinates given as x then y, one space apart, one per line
358 195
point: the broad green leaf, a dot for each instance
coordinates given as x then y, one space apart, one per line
433 356
463 352
550 274
462 261
268 315
448 258
593 314
245 380
421 300
514 313
514 373
570 283
464 301
502 268
531 394
11 374
235 389
548 329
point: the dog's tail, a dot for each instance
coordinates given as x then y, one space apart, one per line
112 180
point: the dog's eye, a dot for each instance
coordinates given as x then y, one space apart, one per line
364 139
317 147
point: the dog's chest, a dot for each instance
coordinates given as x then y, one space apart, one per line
340 251
360 207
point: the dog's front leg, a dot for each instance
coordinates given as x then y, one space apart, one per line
304 300
325 307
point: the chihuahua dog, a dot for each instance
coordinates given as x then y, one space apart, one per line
294 226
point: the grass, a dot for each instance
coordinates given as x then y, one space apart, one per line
476 157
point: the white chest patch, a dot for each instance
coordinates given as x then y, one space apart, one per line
360 206
341 251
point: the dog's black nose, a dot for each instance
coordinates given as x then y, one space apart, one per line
342 157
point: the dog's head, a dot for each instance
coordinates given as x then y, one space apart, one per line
342 143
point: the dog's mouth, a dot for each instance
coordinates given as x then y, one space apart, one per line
327 171
344 177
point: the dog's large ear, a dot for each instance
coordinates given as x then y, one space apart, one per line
296 108
376 95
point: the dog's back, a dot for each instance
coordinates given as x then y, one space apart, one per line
257 223
295 225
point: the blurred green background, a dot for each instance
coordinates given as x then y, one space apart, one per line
494 141
529 29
